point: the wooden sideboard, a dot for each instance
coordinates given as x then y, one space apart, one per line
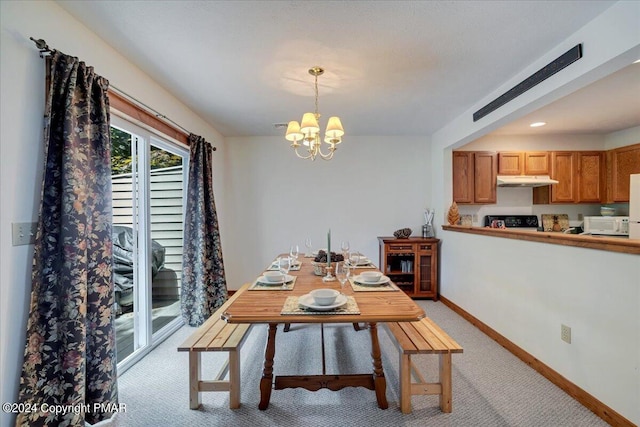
412 264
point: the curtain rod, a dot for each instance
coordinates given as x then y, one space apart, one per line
45 50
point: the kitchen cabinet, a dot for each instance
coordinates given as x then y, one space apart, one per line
591 180
523 163
536 163
474 176
412 264
621 163
581 178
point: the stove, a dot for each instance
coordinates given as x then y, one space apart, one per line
514 222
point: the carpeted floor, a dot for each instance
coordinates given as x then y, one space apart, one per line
491 387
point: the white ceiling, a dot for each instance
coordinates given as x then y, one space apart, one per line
392 67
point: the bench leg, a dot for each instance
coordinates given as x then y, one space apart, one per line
405 383
194 379
445 380
234 379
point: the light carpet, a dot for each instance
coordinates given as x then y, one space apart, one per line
491 387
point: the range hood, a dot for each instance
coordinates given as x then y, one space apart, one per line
525 180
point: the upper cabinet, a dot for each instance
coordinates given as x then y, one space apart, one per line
583 176
523 163
621 163
580 175
474 176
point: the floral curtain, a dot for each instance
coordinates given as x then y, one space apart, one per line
69 369
204 286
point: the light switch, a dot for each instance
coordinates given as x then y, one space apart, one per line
23 233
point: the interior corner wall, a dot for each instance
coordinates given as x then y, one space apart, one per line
526 290
21 148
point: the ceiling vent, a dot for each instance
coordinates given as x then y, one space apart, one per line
563 61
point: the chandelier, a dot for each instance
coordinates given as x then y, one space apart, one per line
308 131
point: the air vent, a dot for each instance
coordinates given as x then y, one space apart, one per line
563 61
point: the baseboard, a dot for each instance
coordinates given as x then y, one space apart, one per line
587 400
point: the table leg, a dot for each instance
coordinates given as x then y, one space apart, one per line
378 374
267 372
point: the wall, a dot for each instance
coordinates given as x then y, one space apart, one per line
525 290
21 153
372 187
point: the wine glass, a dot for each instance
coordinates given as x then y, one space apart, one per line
342 273
294 252
344 245
307 243
284 264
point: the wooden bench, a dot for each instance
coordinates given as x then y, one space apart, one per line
423 337
216 334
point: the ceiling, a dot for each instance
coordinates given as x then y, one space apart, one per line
393 68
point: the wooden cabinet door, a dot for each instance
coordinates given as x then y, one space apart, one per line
427 273
590 178
463 176
484 179
536 163
510 163
564 170
624 162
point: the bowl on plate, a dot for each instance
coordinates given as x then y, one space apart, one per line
370 276
607 211
273 276
324 296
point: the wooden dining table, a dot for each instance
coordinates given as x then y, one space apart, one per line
266 306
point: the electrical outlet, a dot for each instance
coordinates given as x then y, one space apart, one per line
474 218
23 233
565 333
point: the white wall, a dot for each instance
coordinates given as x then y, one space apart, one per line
525 290
21 153
372 187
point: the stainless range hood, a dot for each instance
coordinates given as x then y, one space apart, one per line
525 180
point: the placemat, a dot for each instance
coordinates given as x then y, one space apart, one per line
370 265
258 286
389 286
291 306
274 267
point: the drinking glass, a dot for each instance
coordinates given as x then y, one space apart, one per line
294 252
342 273
284 264
354 259
344 245
307 243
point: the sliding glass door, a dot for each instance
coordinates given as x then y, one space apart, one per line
149 177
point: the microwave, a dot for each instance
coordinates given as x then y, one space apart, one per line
607 225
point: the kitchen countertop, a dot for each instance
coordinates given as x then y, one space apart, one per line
604 243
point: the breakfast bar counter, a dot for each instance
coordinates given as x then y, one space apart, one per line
611 244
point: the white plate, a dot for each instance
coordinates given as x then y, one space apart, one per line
359 280
263 280
308 301
362 261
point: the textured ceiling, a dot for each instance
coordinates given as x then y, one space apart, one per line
392 67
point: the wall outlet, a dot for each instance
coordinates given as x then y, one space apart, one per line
565 333
23 233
